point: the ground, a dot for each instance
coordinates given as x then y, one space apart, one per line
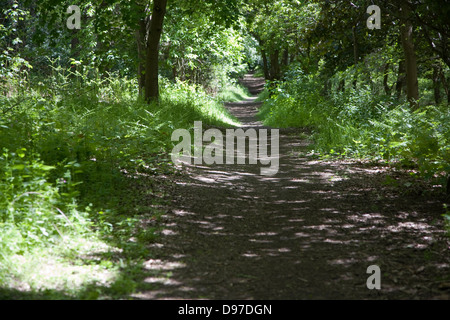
308 232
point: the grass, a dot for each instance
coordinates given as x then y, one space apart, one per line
78 156
363 124
259 73
233 93
46 271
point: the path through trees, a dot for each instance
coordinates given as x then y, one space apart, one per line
309 232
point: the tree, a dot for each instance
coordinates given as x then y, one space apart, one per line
149 32
406 29
152 50
280 28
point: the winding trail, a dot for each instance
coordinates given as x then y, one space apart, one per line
309 232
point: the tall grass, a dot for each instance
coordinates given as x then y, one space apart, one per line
358 123
67 147
233 92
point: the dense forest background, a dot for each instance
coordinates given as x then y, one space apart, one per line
83 109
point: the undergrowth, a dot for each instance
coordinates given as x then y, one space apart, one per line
70 145
358 123
233 92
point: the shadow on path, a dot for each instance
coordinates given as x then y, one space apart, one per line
308 232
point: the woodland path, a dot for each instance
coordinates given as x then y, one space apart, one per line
309 232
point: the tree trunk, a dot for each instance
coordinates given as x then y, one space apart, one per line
265 64
285 57
355 56
101 47
274 65
151 61
263 55
75 45
400 78
445 85
387 90
436 84
341 86
406 29
74 49
141 39
325 89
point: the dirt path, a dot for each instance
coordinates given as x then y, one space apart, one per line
309 232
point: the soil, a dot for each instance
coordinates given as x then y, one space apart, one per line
309 232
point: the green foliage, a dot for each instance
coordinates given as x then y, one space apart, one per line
76 117
447 218
73 132
13 68
233 92
30 204
185 103
358 123
69 146
199 50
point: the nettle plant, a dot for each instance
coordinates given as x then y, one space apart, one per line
34 211
13 68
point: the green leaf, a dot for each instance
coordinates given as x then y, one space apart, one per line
47 168
44 232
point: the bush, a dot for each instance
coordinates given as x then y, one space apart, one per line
358 123
74 140
34 211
